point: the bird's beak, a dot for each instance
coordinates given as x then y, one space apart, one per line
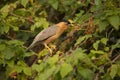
71 22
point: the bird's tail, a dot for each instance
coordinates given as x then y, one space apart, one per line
31 46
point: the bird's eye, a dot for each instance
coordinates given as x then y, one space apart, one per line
67 24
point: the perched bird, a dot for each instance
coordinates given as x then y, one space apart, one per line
49 34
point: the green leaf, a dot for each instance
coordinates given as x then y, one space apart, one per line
43 53
43 22
32 28
40 22
86 73
53 59
29 54
27 71
65 69
114 21
82 18
107 76
103 25
104 41
19 68
21 12
117 45
97 52
35 67
96 44
74 58
107 49
2 47
21 63
53 3
97 2
113 70
83 57
15 42
8 53
79 50
118 72
47 73
10 63
76 19
24 2
6 28
15 28
80 39
95 8
38 68
5 11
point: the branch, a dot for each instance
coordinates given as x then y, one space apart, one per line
117 57
98 74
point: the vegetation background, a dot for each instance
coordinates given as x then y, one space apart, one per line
88 50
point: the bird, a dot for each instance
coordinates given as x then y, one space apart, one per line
49 35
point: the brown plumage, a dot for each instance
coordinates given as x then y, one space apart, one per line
49 34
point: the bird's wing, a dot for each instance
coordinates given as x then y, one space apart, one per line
44 34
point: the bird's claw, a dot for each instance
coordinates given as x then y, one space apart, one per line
53 47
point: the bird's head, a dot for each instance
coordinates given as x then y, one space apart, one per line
65 22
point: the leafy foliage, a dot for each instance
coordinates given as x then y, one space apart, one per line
89 50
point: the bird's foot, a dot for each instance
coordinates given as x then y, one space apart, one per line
53 47
60 53
49 49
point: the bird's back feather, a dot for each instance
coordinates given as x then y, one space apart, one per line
43 35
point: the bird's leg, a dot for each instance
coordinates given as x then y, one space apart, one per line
48 48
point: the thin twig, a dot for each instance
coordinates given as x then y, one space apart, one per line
97 76
110 53
25 31
21 17
117 57
110 33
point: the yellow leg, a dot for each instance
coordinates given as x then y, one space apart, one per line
50 50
